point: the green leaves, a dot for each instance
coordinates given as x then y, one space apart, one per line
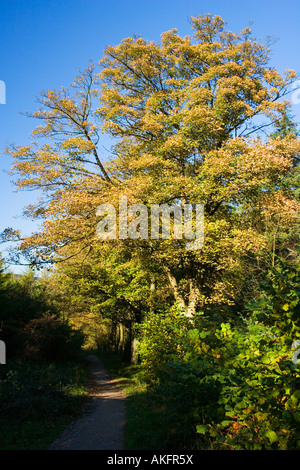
271 435
279 304
237 393
201 428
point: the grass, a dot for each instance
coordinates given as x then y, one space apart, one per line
38 401
30 435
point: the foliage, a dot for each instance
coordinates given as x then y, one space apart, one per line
37 400
109 286
238 387
187 117
41 389
32 323
32 390
199 119
52 339
285 126
160 337
280 304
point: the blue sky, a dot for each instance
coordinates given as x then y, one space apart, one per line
43 44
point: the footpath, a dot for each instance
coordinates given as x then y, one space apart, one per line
101 424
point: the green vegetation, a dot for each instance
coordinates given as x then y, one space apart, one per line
201 386
43 383
37 401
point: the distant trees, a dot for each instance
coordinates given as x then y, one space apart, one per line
32 325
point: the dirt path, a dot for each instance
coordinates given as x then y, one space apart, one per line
101 425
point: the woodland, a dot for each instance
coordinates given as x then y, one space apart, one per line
209 334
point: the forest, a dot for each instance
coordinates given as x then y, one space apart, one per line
207 338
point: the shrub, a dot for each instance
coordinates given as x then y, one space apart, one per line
236 386
160 336
279 304
259 394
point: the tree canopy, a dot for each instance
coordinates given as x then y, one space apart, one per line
191 120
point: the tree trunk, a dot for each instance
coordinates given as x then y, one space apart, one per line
193 299
134 349
152 293
178 297
187 309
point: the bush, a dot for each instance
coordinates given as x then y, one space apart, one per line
170 350
237 387
160 336
279 304
259 395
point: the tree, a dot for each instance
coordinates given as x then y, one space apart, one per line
6 283
107 290
285 126
23 298
190 116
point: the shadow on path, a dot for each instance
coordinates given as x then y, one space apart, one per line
101 425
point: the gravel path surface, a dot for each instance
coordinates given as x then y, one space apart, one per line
101 425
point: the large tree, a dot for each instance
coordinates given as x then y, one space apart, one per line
190 119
